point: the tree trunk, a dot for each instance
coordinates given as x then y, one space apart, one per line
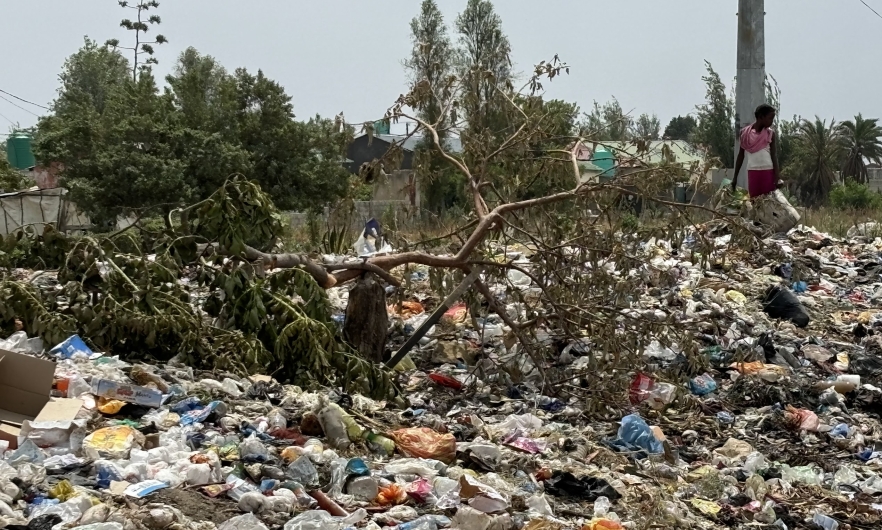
367 321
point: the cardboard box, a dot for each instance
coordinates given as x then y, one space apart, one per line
139 395
25 387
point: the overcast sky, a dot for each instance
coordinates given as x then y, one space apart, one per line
345 55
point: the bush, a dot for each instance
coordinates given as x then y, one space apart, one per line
854 196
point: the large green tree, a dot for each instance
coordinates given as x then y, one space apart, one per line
716 120
607 122
431 59
646 127
431 63
122 159
817 149
680 128
89 76
862 141
125 147
485 68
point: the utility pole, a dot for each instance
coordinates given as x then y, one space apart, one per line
750 83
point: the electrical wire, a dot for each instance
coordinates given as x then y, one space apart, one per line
19 106
7 119
871 8
26 101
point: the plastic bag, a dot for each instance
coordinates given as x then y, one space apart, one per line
419 490
302 471
251 446
803 419
661 395
110 406
423 442
63 491
415 466
636 432
322 520
783 304
775 211
703 385
198 474
253 502
247 521
113 443
96 514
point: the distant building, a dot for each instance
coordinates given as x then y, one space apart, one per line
399 183
606 160
365 149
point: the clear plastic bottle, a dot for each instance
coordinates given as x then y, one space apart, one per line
825 522
276 419
601 507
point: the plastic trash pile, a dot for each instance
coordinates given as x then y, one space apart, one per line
777 427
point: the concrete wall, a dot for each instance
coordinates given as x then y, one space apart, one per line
400 185
875 181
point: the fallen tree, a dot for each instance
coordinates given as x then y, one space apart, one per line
580 278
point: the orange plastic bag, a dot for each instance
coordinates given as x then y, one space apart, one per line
603 524
393 494
110 406
423 442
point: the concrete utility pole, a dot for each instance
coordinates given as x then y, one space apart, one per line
750 90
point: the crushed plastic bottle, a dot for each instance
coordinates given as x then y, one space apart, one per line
825 522
601 507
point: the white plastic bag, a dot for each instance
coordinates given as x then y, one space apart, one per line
253 502
198 474
243 522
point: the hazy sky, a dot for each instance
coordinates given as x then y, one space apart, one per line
336 55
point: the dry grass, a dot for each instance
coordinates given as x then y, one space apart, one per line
837 222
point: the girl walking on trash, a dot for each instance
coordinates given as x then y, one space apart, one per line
759 146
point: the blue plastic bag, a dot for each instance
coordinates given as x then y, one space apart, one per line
702 385
840 431
636 432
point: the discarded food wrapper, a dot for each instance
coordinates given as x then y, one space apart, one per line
446 381
527 445
456 314
201 414
110 406
481 497
71 346
142 489
138 395
112 442
640 388
706 507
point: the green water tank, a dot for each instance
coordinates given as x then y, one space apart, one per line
18 151
381 127
605 160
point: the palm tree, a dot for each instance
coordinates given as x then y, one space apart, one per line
861 139
818 147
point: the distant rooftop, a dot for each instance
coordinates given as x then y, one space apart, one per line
410 143
682 152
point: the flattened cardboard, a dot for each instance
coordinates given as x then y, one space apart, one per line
25 387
